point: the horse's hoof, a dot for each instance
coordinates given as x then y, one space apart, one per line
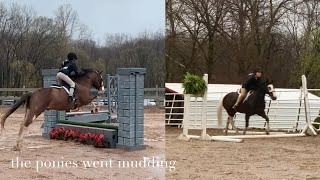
17 147
267 133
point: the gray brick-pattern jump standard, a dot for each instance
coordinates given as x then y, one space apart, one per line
131 108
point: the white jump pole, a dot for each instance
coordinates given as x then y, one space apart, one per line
82 113
253 132
262 136
309 129
215 138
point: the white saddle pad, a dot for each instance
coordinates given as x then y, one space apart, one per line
248 95
59 87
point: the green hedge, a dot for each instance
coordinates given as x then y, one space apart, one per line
194 84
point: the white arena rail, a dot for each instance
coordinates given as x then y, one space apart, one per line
286 113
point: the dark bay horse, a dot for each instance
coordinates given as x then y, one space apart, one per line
55 99
255 104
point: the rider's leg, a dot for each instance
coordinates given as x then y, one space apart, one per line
70 82
243 93
58 78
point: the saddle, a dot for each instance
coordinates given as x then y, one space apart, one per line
67 87
64 86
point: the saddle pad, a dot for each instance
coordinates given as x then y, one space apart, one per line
248 94
66 88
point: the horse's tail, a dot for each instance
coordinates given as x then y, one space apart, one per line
219 112
23 100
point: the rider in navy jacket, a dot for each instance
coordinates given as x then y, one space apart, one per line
69 66
68 69
251 83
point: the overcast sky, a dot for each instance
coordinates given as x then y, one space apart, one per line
107 16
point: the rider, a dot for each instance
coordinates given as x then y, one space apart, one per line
251 83
67 69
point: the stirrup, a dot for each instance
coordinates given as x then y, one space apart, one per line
70 98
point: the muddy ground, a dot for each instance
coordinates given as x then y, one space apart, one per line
278 158
43 153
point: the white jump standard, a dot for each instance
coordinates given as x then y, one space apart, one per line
203 126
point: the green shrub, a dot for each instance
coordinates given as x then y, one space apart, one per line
194 84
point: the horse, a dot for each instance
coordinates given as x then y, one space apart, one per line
255 104
55 99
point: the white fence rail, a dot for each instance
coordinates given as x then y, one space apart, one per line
284 113
152 96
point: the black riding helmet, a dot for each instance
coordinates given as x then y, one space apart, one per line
72 56
258 69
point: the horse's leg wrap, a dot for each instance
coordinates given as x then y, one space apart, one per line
263 115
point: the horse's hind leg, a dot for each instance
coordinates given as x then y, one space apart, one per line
227 125
2 129
23 128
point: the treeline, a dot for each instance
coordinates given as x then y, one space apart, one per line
229 38
30 43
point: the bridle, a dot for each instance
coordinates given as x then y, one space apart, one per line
101 90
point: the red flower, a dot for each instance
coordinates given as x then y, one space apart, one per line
98 140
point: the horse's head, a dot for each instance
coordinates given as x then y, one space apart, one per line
98 82
269 89
95 78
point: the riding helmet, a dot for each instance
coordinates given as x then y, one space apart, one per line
258 69
72 56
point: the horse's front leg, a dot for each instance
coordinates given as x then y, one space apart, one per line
247 124
95 107
90 99
85 99
263 115
234 124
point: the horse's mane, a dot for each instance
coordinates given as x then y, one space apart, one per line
83 73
